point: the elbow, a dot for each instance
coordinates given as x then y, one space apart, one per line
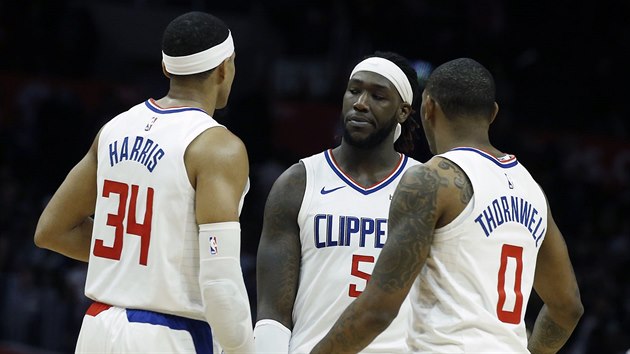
571 310
43 237
577 310
39 239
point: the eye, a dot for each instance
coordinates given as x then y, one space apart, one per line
378 97
353 90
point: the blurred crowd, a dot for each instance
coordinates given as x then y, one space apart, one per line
560 71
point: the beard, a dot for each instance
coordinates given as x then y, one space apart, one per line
371 140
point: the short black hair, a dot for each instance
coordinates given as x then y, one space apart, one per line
405 143
193 32
462 87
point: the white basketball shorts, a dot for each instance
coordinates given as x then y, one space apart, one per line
110 329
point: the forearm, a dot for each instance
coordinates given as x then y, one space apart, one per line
225 300
228 313
354 330
74 243
550 332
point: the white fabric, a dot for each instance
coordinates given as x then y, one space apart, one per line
271 336
225 300
398 131
111 332
141 161
391 72
456 298
144 147
199 62
332 276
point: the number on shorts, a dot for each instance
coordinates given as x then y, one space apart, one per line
513 316
133 228
353 292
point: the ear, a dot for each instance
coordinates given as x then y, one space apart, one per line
494 114
220 71
166 73
430 108
404 112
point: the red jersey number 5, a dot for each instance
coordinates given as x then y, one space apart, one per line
356 259
117 221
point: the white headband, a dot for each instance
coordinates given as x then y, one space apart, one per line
200 62
391 72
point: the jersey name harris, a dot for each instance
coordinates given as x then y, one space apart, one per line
344 230
139 149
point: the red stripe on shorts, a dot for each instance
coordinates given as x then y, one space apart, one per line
96 308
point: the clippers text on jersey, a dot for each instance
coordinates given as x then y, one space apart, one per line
331 231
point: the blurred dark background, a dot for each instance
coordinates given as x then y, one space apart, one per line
561 67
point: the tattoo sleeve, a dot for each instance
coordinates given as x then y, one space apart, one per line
412 218
547 336
278 260
460 180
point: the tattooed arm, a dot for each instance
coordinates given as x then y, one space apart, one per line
428 195
556 285
279 254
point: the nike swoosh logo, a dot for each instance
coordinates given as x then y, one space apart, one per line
324 191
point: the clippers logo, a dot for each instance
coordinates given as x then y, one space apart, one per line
150 124
214 246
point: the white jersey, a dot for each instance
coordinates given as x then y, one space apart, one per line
145 242
472 293
343 227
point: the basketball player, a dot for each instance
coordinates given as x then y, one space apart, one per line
325 219
470 233
165 183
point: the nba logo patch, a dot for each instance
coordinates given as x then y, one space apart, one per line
214 246
150 124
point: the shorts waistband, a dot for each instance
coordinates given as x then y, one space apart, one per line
96 308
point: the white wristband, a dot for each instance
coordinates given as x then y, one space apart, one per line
271 336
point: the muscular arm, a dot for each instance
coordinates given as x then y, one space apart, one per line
218 167
65 225
279 252
423 199
556 285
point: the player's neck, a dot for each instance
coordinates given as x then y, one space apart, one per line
374 160
476 143
179 96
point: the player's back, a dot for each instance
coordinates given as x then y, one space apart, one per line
144 251
472 293
343 227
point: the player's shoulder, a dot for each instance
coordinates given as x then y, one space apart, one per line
438 170
293 177
218 140
216 147
286 194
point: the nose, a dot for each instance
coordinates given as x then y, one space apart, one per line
361 103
